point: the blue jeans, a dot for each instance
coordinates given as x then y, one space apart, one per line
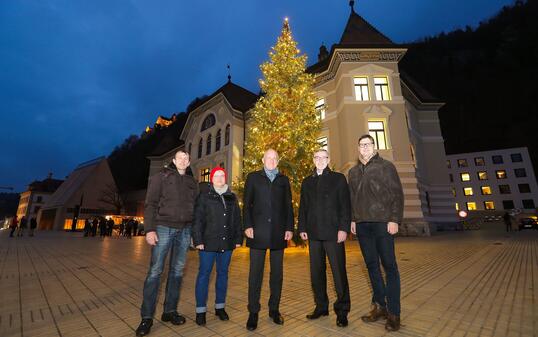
207 259
377 244
177 241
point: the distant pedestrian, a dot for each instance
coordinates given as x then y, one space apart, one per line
102 227
110 226
135 228
22 226
33 225
129 228
507 221
14 224
122 227
95 223
87 227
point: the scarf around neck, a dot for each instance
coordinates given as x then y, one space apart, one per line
271 174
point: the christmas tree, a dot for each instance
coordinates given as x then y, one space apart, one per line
284 118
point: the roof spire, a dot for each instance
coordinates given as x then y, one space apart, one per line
352 5
229 73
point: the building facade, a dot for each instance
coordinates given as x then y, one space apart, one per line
360 90
36 196
493 180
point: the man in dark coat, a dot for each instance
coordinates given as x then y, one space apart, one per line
324 220
168 217
377 208
33 225
268 224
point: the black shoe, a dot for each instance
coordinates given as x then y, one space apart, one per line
173 317
222 315
317 314
252 322
200 318
341 321
277 317
145 327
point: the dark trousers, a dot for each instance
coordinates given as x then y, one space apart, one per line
255 278
318 267
377 244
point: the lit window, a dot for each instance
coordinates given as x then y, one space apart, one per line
208 145
467 191
381 85
482 175
504 189
204 175
448 163
497 159
462 163
465 176
516 157
524 188
457 207
453 191
376 129
486 190
320 108
479 161
323 143
528 204
361 89
501 174
471 206
520 172
489 205
217 140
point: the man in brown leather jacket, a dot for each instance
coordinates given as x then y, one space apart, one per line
377 209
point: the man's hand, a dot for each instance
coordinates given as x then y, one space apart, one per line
152 238
341 236
304 236
353 227
392 228
288 235
249 232
200 247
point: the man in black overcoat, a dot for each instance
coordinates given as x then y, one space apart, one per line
324 220
268 224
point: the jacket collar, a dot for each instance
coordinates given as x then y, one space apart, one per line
376 157
326 171
262 172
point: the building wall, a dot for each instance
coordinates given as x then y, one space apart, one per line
492 181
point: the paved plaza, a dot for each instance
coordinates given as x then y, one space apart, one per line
474 283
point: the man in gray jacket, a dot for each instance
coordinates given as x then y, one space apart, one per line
168 216
377 209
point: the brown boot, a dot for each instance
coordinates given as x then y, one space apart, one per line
375 314
393 322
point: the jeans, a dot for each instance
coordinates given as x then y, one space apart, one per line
176 241
255 278
377 244
207 259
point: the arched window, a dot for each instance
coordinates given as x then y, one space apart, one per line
209 121
208 145
227 135
200 148
217 141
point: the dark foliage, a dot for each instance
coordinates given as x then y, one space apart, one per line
8 204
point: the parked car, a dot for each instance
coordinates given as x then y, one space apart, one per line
528 223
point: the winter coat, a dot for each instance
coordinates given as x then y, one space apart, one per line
217 221
325 206
267 209
170 199
376 192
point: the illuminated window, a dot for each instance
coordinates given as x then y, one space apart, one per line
471 206
504 189
516 157
462 163
497 159
467 191
453 191
361 89
381 85
323 143
486 190
208 122
479 161
524 188
208 145
376 129
320 108
465 176
489 205
457 207
520 172
482 175
204 175
217 141
227 135
501 174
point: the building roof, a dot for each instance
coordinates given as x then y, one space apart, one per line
239 98
48 185
358 31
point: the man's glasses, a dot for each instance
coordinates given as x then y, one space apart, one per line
365 145
320 158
